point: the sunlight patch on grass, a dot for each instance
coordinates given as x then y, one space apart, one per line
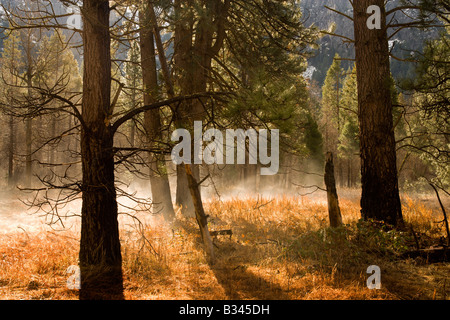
281 248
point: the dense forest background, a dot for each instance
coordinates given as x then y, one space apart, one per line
91 94
320 81
404 43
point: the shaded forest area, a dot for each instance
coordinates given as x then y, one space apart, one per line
93 92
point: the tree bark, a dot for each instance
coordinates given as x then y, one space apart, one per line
52 150
380 196
349 172
28 146
100 255
161 52
194 48
447 228
159 180
334 212
11 151
183 196
28 131
28 120
183 68
200 215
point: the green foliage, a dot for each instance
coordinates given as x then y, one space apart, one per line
133 70
350 245
57 68
53 70
12 57
328 247
428 125
313 139
331 105
269 35
382 239
133 77
350 94
348 140
277 102
11 69
331 90
349 135
264 55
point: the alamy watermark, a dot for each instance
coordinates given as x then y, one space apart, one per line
374 281
374 21
220 151
74 280
74 20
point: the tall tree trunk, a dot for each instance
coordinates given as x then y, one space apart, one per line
11 151
183 197
52 149
185 76
28 132
28 121
380 196
133 106
132 134
182 43
100 256
161 52
349 172
28 151
159 180
193 53
334 212
200 215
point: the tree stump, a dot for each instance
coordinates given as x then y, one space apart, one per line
334 212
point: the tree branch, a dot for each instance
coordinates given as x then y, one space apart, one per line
132 113
340 13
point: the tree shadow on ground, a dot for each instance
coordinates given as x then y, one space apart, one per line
411 280
239 273
240 283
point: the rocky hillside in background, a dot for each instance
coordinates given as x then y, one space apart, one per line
404 43
314 12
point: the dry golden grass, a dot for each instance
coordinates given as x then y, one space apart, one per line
280 249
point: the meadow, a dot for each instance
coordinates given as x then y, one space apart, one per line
281 248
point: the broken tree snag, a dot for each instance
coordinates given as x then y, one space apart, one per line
200 215
334 212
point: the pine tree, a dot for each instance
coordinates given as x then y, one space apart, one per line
380 198
428 124
11 66
57 67
348 138
257 40
133 82
159 180
331 111
331 104
100 255
313 139
58 71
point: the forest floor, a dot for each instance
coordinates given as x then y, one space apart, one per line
281 248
